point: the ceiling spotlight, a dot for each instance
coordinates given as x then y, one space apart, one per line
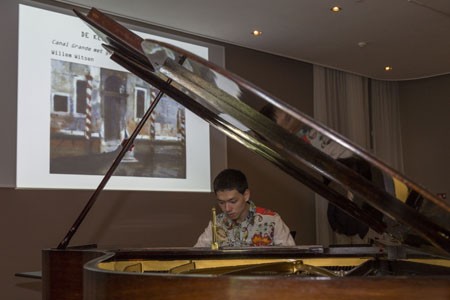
256 32
388 68
336 9
362 44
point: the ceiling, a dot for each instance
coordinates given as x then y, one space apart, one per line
412 36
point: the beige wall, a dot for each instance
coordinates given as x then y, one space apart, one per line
425 122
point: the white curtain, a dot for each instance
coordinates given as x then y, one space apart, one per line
386 131
341 101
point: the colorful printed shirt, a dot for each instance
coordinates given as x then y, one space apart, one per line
262 227
323 143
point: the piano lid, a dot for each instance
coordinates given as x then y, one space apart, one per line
345 174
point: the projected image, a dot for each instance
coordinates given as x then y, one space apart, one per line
94 110
76 107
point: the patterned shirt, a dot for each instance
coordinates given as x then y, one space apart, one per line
323 143
261 227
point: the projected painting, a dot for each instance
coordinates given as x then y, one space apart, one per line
76 107
94 110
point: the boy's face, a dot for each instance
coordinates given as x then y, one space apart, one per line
233 203
287 122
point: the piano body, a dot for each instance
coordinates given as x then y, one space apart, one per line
410 260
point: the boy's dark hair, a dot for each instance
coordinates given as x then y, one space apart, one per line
269 111
230 179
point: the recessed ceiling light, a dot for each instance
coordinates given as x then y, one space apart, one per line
388 68
362 44
336 9
256 32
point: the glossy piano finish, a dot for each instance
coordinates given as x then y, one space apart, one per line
104 286
114 275
233 105
62 272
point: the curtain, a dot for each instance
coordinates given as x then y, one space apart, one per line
355 107
341 103
386 133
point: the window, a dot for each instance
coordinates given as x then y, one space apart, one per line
141 102
81 94
60 103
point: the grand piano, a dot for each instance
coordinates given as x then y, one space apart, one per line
410 259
